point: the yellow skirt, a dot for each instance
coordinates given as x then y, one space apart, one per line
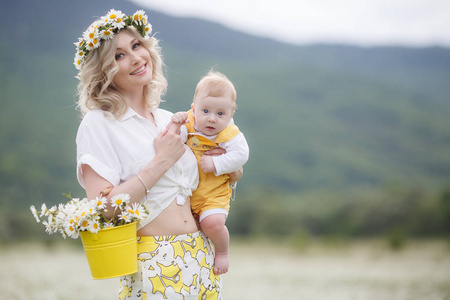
173 267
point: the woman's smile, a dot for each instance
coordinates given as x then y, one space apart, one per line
141 70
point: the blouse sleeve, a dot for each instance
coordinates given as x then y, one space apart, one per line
236 156
94 148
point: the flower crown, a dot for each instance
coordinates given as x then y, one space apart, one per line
105 28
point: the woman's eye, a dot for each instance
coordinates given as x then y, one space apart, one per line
119 56
136 45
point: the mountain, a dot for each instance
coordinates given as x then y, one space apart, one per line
316 117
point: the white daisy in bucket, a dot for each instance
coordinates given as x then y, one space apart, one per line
35 213
108 225
93 226
100 202
125 216
120 199
80 215
138 210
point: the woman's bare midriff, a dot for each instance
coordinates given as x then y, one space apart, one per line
174 220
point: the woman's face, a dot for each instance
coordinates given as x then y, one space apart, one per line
134 61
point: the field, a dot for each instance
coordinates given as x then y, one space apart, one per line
345 270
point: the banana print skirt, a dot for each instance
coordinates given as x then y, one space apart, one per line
173 267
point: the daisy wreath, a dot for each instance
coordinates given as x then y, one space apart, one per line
105 28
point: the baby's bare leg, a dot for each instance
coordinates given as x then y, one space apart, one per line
214 227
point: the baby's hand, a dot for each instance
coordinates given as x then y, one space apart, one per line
180 117
207 164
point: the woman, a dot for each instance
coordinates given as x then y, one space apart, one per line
123 146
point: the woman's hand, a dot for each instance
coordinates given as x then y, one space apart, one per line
168 145
235 176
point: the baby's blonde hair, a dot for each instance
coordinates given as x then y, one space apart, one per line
96 89
216 84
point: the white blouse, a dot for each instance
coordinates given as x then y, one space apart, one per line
118 149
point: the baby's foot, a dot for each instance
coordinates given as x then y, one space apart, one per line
221 263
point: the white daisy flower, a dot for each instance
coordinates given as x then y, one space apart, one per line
115 18
90 33
100 202
108 225
148 29
53 209
43 210
91 209
50 219
139 17
75 234
93 226
130 211
79 43
107 33
91 37
111 16
126 216
48 227
98 24
120 22
80 53
93 44
35 213
71 220
84 225
85 208
119 199
71 231
139 211
78 62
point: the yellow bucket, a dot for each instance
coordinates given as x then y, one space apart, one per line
112 252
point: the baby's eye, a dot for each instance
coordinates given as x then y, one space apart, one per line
205 111
220 113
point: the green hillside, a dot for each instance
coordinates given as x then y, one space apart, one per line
318 117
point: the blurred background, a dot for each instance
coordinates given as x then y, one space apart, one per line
345 106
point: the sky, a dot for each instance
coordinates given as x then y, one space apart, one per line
411 23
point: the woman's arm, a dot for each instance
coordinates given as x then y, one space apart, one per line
168 147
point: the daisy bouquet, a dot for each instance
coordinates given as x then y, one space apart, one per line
88 215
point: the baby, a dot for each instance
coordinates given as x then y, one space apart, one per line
209 125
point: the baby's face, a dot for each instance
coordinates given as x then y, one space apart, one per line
212 114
